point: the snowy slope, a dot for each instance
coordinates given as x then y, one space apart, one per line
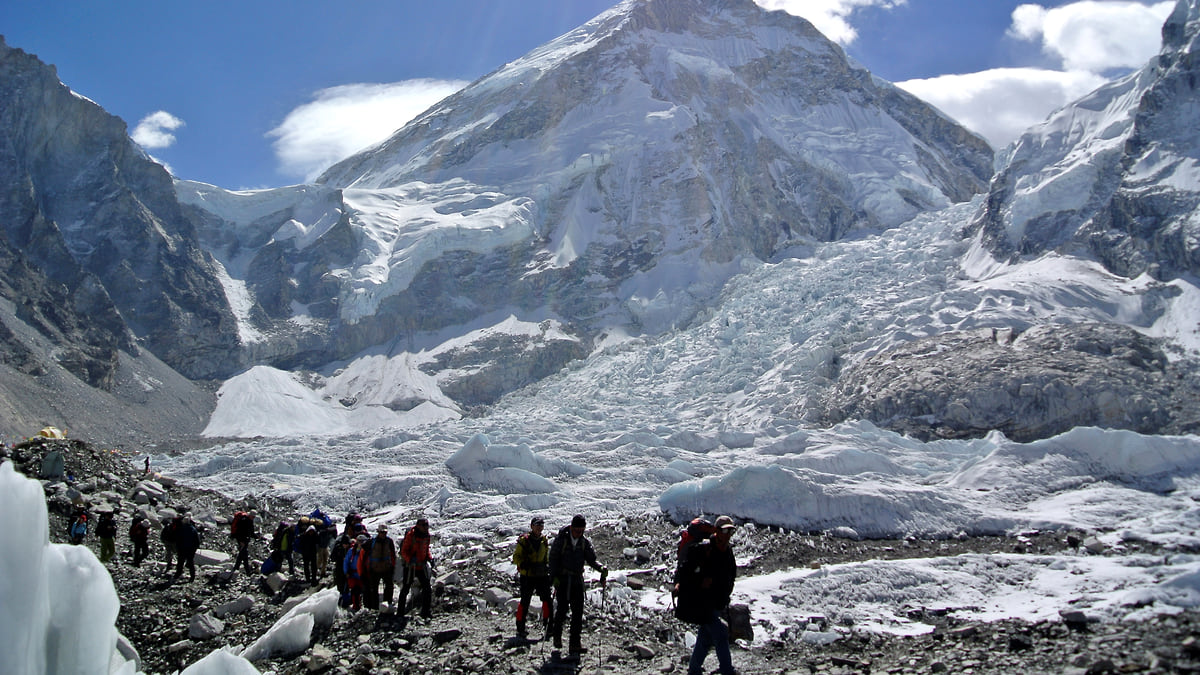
612 180
710 419
1115 175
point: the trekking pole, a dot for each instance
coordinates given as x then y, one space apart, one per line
600 642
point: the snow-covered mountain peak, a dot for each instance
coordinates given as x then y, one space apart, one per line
1114 175
612 180
666 80
1181 26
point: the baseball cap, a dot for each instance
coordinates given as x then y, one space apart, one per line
725 523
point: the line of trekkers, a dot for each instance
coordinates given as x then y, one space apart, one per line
361 563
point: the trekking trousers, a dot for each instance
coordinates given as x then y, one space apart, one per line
711 634
243 555
108 548
419 573
530 584
388 578
570 596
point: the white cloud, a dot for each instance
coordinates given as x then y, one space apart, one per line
345 119
1000 104
1092 35
831 17
1089 37
154 131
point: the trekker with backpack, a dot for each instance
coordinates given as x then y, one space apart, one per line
354 564
169 530
282 541
77 530
568 554
414 550
139 536
106 529
703 585
326 533
341 546
382 567
187 542
307 545
242 531
353 525
532 558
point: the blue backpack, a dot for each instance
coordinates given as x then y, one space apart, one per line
350 564
272 563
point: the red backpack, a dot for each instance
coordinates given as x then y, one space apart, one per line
696 531
240 524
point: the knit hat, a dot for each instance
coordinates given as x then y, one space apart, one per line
578 521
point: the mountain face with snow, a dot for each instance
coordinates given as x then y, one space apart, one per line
663 136
1112 178
1115 175
608 182
603 191
97 249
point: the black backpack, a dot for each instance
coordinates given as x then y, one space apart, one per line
691 602
107 527
169 531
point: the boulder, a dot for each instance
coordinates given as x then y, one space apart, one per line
239 606
319 658
276 581
205 627
53 465
496 597
206 556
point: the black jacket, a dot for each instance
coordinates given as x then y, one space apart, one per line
568 560
107 529
187 539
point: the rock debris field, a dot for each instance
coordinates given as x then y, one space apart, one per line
174 623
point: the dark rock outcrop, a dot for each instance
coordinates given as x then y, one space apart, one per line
1042 382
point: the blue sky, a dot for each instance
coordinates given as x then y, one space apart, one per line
268 92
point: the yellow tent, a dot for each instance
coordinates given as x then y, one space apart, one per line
51 432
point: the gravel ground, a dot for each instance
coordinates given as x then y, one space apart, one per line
468 635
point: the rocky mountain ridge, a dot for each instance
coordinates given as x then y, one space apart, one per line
1113 175
88 209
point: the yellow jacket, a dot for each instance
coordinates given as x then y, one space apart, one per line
532 556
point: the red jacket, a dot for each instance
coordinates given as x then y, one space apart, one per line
414 549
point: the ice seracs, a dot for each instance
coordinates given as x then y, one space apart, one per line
58 606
